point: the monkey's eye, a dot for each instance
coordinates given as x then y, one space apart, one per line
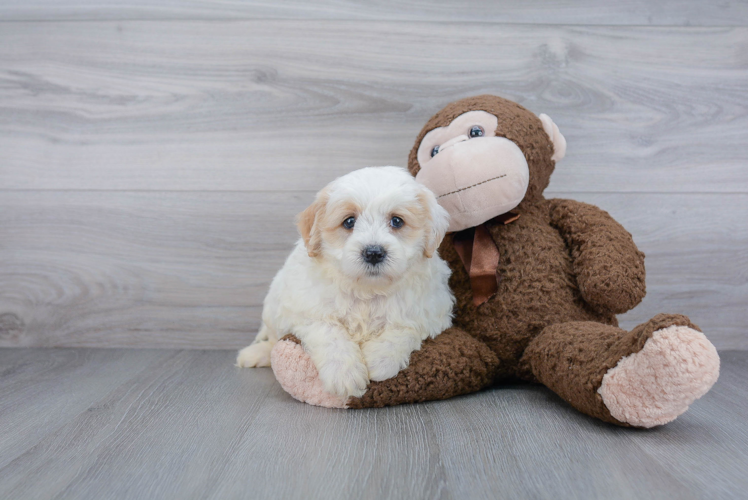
435 151
396 222
349 222
476 131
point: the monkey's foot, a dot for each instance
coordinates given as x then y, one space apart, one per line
655 385
298 376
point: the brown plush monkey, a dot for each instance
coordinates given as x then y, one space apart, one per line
538 284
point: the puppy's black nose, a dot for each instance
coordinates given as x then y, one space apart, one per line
374 254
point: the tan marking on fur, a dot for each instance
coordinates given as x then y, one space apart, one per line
416 220
331 226
430 242
308 223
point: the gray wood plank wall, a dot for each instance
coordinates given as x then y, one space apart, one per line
630 12
153 154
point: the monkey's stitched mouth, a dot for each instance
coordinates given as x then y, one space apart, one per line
470 187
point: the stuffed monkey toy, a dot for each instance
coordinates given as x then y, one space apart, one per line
538 284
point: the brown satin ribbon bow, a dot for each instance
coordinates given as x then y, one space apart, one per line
480 256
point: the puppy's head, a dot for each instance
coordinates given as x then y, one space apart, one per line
373 224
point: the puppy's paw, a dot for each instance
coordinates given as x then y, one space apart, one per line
344 376
254 355
382 360
382 369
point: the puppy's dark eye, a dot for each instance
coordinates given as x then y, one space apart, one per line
349 222
476 131
397 222
435 151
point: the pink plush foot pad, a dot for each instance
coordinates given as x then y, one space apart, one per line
299 377
652 387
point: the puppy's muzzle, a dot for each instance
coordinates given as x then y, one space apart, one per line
373 254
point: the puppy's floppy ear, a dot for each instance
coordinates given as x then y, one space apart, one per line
308 223
437 222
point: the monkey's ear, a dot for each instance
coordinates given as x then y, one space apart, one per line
308 223
558 140
437 222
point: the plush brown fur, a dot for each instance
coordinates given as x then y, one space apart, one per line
572 358
453 363
566 269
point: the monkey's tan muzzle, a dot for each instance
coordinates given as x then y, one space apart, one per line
476 180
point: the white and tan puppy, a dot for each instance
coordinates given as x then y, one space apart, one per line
364 285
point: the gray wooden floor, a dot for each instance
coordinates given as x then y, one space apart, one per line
120 423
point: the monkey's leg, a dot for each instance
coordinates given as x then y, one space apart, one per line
642 378
453 363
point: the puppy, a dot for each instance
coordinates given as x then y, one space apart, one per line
364 285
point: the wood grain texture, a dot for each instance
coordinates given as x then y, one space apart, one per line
288 105
187 424
152 158
190 270
150 170
66 382
637 12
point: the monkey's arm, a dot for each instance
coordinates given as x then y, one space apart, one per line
608 266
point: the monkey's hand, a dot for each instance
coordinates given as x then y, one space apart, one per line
608 266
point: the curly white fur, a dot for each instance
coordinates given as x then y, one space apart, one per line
359 321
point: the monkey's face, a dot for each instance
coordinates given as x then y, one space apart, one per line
474 174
